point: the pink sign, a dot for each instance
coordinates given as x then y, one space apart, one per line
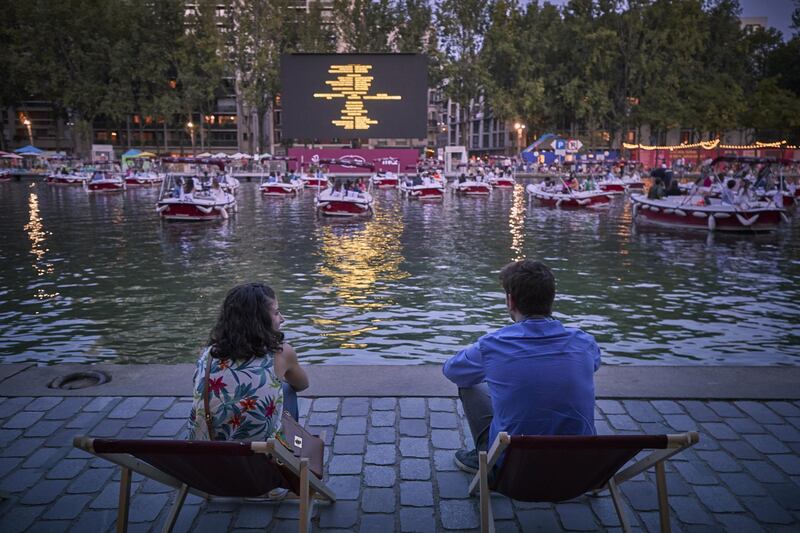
355 160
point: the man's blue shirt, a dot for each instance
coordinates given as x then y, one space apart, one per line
540 376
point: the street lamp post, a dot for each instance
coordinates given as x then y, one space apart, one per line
27 124
520 132
190 125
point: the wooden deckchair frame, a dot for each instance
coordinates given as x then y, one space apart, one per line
675 444
311 487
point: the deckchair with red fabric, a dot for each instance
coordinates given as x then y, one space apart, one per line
212 469
546 468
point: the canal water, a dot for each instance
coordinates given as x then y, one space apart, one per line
101 278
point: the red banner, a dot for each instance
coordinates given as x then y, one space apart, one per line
383 159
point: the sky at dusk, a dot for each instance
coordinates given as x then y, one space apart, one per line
778 12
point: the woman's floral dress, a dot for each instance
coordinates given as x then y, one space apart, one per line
245 399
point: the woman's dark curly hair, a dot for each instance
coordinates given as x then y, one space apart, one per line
244 327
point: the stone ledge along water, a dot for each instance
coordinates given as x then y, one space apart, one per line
90 278
612 381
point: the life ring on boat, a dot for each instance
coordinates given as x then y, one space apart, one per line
747 222
712 224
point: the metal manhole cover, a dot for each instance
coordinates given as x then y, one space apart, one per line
80 380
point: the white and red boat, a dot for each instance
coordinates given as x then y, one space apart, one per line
472 188
633 182
196 208
271 186
176 204
105 181
502 181
70 178
385 180
694 212
570 199
611 185
5 175
426 189
784 199
228 183
343 203
144 179
316 181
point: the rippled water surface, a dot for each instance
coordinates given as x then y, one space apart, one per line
90 278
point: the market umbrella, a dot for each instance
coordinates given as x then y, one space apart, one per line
28 150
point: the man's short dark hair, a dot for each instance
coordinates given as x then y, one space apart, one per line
531 285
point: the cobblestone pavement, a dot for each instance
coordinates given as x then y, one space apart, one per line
390 463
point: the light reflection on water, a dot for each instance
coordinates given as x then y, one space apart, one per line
89 278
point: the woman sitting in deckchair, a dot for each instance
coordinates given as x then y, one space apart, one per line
250 374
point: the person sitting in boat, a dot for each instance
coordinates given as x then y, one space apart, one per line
217 194
533 377
745 194
674 189
656 192
728 194
253 374
589 184
272 178
178 188
188 191
763 178
462 178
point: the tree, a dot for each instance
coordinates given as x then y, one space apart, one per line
260 34
772 110
462 25
364 26
313 34
64 58
200 63
12 89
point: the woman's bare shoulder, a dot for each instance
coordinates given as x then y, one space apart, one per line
287 353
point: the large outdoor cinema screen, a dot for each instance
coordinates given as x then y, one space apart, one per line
352 96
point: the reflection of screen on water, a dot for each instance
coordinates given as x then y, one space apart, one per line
354 96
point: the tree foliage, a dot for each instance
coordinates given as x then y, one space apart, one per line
597 66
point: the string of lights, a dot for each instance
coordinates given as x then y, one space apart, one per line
711 145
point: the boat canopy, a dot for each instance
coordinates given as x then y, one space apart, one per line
195 161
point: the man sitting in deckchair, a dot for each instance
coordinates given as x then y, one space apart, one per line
534 377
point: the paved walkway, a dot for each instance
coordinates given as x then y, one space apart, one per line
390 463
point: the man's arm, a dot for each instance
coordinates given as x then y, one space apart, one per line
594 350
465 369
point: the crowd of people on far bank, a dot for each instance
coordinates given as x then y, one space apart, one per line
248 375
